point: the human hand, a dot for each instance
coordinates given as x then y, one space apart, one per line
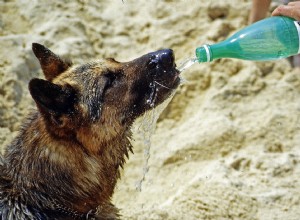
291 10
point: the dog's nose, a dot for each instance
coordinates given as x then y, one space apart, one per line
166 58
162 58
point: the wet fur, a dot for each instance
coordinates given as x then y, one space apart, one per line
65 162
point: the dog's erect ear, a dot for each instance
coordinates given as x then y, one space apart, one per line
52 65
52 98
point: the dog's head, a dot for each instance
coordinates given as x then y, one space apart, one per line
103 92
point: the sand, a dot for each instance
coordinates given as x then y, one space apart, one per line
227 146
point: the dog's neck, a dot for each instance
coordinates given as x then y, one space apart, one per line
80 179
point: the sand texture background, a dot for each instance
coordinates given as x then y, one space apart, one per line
228 144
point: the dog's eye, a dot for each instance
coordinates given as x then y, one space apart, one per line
113 79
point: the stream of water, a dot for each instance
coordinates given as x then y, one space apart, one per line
147 126
146 130
186 64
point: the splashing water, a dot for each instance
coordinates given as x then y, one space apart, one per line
186 64
146 130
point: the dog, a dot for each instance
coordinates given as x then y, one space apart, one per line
66 159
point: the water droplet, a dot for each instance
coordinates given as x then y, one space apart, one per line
279 124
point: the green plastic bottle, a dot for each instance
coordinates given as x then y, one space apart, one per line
269 39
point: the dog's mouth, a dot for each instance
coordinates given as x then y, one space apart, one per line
163 74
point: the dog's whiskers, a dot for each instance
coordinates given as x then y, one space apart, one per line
161 85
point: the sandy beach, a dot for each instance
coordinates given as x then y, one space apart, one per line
226 146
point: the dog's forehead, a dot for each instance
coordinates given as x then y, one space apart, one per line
97 67
87 72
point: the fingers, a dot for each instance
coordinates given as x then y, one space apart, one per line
292 3
291 10
284 10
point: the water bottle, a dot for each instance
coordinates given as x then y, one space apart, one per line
269 39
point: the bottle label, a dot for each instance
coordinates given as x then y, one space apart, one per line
297 24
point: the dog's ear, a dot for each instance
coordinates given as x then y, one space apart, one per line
52 65
52 98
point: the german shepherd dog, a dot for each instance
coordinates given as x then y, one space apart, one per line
66 160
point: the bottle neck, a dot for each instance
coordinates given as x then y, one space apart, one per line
204 54
208 53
